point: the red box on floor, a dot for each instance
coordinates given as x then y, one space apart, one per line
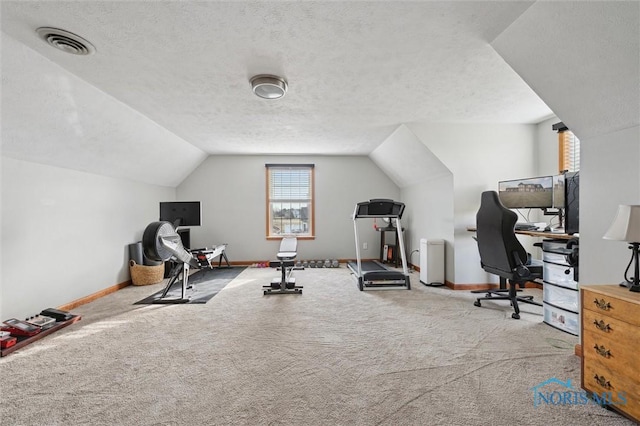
7 342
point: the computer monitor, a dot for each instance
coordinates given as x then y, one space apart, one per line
181 213
527 193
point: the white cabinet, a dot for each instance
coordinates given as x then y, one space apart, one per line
431 262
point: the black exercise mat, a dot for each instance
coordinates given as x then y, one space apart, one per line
204 283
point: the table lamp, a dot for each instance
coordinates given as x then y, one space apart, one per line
626 227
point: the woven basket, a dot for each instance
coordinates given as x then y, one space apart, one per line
145 275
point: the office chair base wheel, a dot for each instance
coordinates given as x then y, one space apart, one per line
515 316
477 303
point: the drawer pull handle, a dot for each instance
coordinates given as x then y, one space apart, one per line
602 351
600 325
602 381
602 304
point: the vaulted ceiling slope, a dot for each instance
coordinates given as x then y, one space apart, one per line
170 80
583 59
50 116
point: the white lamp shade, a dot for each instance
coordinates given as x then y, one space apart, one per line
626 225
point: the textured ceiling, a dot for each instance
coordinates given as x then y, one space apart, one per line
356 71
587 67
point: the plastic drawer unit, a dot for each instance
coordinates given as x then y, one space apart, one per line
561 319
564 298
561 275
560 291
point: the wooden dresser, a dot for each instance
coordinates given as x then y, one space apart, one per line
611 345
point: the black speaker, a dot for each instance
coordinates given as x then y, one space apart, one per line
185 236
572 203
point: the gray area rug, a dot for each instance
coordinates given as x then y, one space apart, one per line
203 283
331 356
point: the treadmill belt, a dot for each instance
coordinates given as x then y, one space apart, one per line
375 271
369 265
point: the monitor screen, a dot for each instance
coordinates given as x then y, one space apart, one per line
527 193
181 213
558 191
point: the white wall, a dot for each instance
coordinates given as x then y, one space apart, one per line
429 214
478 155
65 233
50 116
582 59
609 176
426 189
547 148
442 169
588 73
232 190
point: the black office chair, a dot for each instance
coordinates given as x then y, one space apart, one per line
502 254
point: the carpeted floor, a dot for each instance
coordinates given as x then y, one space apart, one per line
331 356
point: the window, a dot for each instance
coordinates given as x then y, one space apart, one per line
568 149
290 200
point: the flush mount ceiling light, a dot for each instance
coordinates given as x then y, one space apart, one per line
268 86
66 41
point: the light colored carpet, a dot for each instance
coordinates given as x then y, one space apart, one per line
331 356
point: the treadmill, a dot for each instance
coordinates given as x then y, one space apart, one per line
373 273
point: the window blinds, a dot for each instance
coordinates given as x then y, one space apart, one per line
569 151
289 182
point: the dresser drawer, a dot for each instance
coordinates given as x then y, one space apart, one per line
604 327
610 318
602 379
615 353
615 307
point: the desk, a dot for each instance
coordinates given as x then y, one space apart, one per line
546 234
542 234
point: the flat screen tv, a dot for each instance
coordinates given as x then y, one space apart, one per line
181 213
528 193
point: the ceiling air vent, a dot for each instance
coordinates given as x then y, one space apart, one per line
66 41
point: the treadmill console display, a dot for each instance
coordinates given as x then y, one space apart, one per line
380 208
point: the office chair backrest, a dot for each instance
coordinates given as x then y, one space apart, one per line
497 242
